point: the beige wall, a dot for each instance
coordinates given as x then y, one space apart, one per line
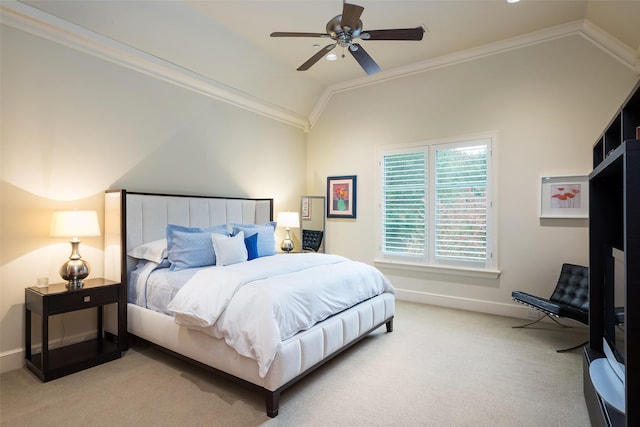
74 125
548 103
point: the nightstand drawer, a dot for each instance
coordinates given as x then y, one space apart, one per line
81 299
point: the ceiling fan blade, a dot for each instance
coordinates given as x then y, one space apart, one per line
351 15
315 58
286 34
366 62
394 34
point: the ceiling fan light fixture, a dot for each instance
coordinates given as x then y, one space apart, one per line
343 30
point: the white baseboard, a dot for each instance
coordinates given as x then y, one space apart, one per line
515 310
14 359
10 360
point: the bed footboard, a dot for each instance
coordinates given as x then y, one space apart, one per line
273 397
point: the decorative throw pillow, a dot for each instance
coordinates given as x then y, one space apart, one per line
251 243
229 250
189 247
266 236
154 251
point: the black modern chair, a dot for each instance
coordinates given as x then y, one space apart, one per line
570 299
311 240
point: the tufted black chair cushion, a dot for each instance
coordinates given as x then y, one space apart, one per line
569 299
311 240
573 287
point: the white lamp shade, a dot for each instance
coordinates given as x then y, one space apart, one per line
288 219
75 224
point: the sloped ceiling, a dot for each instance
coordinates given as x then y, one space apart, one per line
223 48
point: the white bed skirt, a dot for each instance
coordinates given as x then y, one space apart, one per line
297 354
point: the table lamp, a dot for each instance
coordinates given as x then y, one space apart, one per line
75 224
288 220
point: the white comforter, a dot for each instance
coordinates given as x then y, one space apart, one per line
256 305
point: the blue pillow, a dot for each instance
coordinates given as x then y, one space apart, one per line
266 236
189 247
251 243
273 224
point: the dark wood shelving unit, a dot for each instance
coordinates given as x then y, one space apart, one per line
614 222
623 127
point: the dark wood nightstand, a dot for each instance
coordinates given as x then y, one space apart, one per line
57 299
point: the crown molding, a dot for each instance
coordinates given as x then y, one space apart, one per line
609 44
584 28
34 21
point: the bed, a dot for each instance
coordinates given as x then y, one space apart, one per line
138 225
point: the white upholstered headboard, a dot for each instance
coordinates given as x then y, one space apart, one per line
132 219
148 215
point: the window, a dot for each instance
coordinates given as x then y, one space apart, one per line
435 204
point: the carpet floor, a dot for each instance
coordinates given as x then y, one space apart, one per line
439 367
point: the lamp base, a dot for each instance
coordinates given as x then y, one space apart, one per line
287 246
71 285
75 269
287 243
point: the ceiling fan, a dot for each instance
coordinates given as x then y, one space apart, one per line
343 29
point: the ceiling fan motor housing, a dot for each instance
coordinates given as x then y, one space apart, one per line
335 29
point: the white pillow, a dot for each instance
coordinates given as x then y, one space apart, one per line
154 251
229 250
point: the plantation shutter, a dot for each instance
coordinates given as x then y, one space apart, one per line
460 215
404 195
436 204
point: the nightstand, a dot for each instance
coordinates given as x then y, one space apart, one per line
57 299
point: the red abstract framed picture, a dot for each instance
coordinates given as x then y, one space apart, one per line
564 197
341 196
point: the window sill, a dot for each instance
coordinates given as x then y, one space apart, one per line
453 271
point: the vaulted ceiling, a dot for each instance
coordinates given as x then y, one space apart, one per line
226 44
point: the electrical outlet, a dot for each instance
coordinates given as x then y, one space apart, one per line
533 314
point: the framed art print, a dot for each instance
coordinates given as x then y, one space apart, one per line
305 211
564 197
341 194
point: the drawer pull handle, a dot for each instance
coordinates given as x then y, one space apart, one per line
87 298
